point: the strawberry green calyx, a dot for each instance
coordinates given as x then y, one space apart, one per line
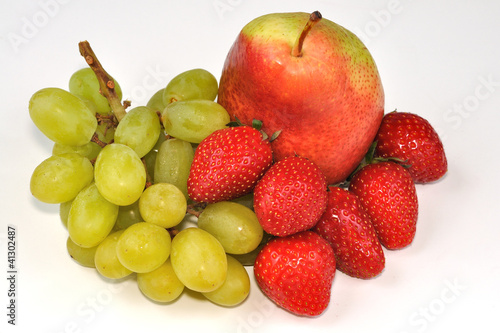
371 158
257 124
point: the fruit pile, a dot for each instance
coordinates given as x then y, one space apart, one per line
330 178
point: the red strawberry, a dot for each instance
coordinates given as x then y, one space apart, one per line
349 230
412 139
387 192
228 163
296 272
290 197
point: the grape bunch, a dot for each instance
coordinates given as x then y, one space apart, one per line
120 181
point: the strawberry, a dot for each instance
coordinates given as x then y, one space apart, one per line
228 163
412 139
387 192
290 197
349 230
296 272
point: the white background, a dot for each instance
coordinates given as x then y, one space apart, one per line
439 59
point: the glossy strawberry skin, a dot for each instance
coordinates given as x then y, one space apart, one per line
296 272
290 197
228 163
349 230
412 139
388 194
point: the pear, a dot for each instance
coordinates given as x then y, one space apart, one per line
309 79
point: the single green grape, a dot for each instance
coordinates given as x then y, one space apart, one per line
106 260
199 260
119 174
91 217
248 259
128 215
62 117
156 101
150 158
82 255
161 284
59 178
173 163
84 83
192 84
143 247
89 150
245 200
105 132
64 208
194 120
91 105
235 226
235 288
139 129
163 204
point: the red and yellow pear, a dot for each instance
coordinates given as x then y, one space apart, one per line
311 79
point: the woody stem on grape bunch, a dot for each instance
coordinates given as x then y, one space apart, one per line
106 83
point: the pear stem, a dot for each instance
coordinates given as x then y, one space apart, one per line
314 18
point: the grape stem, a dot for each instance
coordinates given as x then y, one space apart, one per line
149 180
173 232
196 208
95 138
106 83
193 211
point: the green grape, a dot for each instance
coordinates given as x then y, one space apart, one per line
156 101
161 284
246 200
173 163
105 132
59 178
62 117
139 129
143 247
91 217
84 83
192 84
82 255
194 120
128 215
150 158
248 259
199 260
89 150
236 287
119 174
106 260
64 208
91 105
235 226
163 204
